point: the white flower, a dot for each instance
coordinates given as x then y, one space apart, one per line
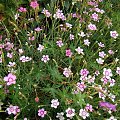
54 103
40 48
112 118
45 58
67 72
82 34
83 113
60 116
70 112
107 73
79 50
100 61
113 34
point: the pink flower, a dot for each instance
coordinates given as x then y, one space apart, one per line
10 79
59 43
104 80
54 103
112 82
67 72
13 110
101 45
42 112
113 34
95 17
46 13
45 58
22 9
34 4
83 113
68 53
10 55
89 108
92 27
102 54
81 86
25 59
111 52
38 29
84 72
70 112
32 38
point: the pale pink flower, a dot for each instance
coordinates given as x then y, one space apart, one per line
84 72
81 86
68 53
21 51
34 4
13 110
92 27
46 13
42 112
118 70
38 29
97 72
102 54
40 48
107 73
55 103
59 43
83 113
95 16
71 37
112 97
101 45
112 82
22 9
10 79
10 55
114 34
91 79
88 107
70 112
32 38
100 61
45 58
59 15
9 46
111 52
86 42
67 72
11 64
104 80
79 50
101 95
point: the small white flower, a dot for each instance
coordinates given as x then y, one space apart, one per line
107 73
113 34
67 72
112 118
40 48
100 61
45 58
79 50
83 113
54 103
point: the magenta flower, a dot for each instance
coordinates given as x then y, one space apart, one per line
107 105
13 110
34 4
22 9
10 79
84 72
68 53
42 112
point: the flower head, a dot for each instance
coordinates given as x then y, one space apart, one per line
45 58
67 72
42 112
34 4
10 79
114 34
83 113
70 112
54 103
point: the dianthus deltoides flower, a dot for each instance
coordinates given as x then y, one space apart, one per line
107 105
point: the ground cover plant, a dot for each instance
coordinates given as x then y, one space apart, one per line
59 60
